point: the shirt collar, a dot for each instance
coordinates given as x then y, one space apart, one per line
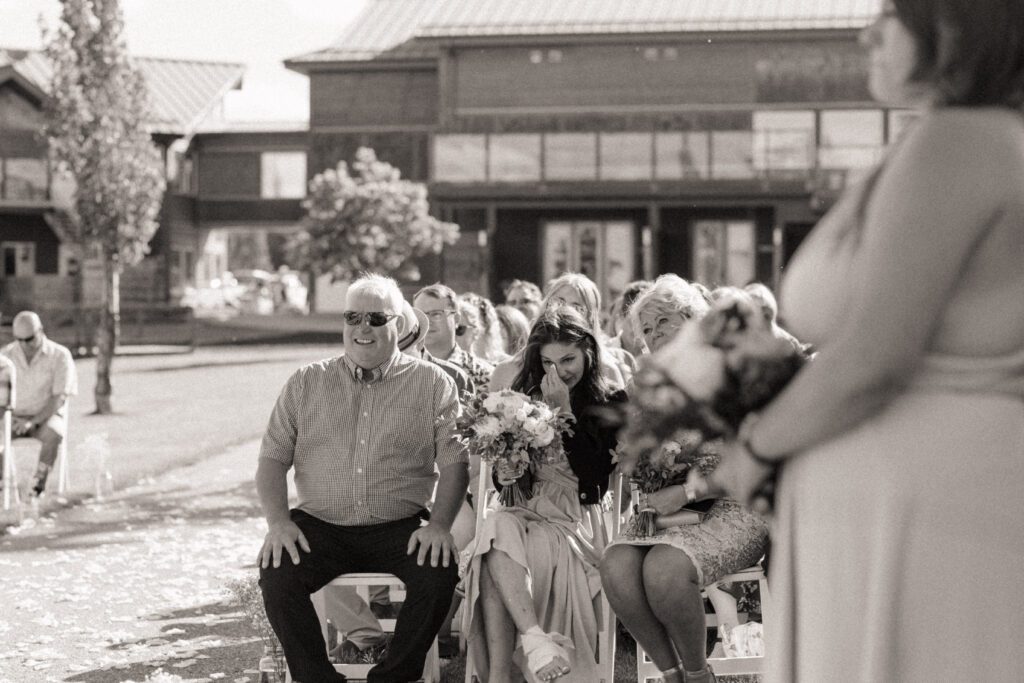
371 375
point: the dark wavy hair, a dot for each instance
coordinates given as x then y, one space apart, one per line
970 51
563 325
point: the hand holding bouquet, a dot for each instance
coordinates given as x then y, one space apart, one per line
513 432
662 467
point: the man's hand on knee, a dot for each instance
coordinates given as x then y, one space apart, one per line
286 535
22 427
435 540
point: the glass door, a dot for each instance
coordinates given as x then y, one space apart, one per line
604 251
724 252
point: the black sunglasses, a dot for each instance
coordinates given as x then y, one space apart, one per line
375 318
26 340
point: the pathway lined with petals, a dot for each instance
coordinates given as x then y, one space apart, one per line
134 587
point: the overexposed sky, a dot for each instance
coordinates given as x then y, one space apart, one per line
257 33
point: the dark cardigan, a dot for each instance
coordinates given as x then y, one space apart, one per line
590 447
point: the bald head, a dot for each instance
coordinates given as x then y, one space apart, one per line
26 324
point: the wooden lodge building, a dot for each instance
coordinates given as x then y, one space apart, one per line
623 139
37 262
620 138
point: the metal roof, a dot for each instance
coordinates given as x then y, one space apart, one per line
404 29
182 92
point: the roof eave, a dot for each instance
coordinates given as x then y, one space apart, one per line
644 36
378 64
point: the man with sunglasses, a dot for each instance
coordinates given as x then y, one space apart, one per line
366 433
440 304
44 379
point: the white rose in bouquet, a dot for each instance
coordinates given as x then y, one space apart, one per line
545 436
488 427
695 367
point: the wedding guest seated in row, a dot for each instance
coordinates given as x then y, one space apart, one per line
577 291
622 333
515 328
366 433
441 306
654 582
483 333
44 378
346 610
524 296
531 584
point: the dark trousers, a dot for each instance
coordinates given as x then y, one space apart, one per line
338 550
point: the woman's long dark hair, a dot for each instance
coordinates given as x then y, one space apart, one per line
563 325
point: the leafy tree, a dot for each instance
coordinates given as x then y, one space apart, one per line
368 220
96 127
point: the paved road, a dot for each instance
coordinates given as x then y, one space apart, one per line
134 587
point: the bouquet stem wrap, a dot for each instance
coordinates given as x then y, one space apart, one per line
516 492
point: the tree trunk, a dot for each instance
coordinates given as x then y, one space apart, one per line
106 337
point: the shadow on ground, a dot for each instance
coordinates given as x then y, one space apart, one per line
92 524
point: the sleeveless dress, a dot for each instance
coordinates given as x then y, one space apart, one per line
547 538
898 545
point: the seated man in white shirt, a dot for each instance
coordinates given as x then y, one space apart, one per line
44 378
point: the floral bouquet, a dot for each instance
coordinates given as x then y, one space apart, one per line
664 466
513 432
709 378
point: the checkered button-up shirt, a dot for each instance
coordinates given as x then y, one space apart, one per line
365 452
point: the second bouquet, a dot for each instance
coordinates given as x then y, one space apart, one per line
513 432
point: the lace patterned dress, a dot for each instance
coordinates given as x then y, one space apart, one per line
730 538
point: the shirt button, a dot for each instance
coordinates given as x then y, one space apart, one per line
359 470
583 496
362 441
366 414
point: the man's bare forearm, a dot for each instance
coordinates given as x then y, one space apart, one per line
451 491
272 489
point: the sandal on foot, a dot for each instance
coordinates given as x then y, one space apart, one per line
542 649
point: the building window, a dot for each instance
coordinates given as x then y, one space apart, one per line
283 175
460 158
24 179
570 156
552 56
514 158
651 54
17 259
681 156
625 156
850 139
732 154
783 141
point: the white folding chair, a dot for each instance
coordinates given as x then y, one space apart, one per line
648 672
602 535
11 494
10 474
361 582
